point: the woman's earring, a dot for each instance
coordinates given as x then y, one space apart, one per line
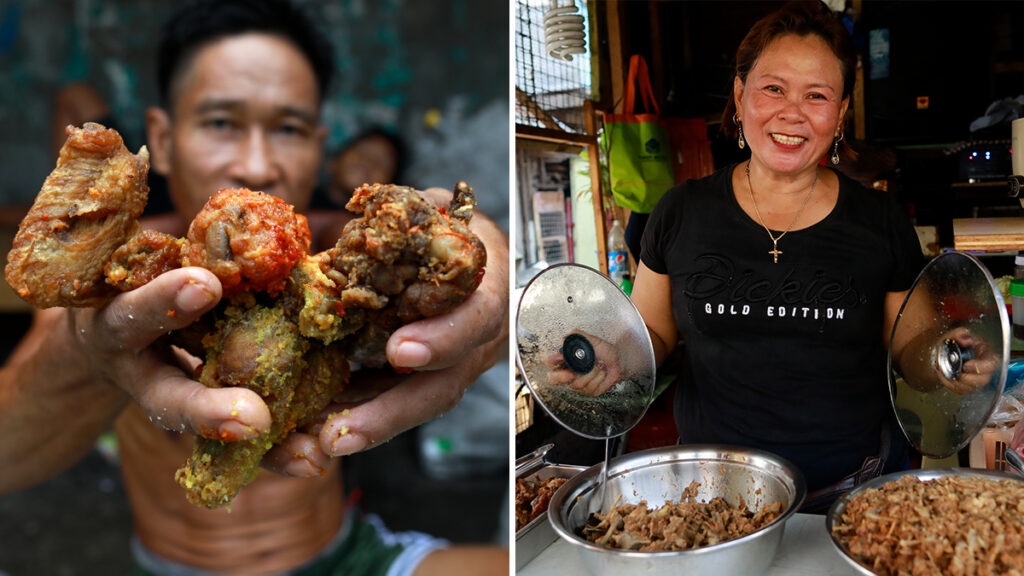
736 120
835 150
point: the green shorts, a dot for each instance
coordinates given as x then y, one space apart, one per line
363 547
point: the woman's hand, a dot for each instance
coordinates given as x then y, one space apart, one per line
606 372
975 373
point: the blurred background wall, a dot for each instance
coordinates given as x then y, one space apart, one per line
434 72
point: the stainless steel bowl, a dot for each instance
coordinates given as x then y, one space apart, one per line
661 474
835 512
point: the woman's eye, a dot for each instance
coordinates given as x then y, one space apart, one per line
774 89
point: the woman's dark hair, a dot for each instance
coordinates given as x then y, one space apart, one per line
208 20
802 17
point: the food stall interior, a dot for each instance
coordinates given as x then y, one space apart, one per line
930 120
926 110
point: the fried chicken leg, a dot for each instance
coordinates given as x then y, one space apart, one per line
260 348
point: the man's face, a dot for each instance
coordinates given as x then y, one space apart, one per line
244 114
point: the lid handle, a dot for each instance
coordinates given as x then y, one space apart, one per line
578 353
951 358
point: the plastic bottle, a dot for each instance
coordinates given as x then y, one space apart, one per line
1018 265
618 255
1017 307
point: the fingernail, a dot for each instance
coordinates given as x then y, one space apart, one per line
193 297
411 354
347 443
302 467
233 431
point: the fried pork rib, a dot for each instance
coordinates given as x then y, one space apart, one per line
290 321
951 525
87 208
682 525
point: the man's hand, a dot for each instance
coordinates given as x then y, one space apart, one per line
121 342
76 369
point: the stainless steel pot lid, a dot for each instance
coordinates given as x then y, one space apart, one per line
584 351
949 354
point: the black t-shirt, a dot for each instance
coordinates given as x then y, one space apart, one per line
786 357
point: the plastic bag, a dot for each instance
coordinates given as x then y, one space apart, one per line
1000 428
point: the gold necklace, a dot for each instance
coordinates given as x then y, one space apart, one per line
775 241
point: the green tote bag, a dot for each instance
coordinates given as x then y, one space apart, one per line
638 147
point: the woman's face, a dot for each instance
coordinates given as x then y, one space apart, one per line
792 103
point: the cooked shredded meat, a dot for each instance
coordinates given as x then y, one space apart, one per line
951 525
679 525
532 497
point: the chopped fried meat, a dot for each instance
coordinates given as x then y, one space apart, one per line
682 525
259 348
533 496
951 525
403 260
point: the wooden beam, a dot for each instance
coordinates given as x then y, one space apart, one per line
615 55
657 61
593 155
559 136
533 109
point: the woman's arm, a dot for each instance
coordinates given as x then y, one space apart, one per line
652 295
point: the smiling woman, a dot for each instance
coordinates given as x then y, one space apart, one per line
751 379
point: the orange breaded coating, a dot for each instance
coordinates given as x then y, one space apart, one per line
145 256
250 240
86 209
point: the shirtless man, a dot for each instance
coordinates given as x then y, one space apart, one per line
241 84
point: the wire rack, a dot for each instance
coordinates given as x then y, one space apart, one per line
549 91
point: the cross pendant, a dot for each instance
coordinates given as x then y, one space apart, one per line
775 252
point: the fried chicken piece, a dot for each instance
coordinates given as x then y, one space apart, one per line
250 240
403 260
258 347
313 298
87 208
145 256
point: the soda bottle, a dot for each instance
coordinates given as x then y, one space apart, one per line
618 255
